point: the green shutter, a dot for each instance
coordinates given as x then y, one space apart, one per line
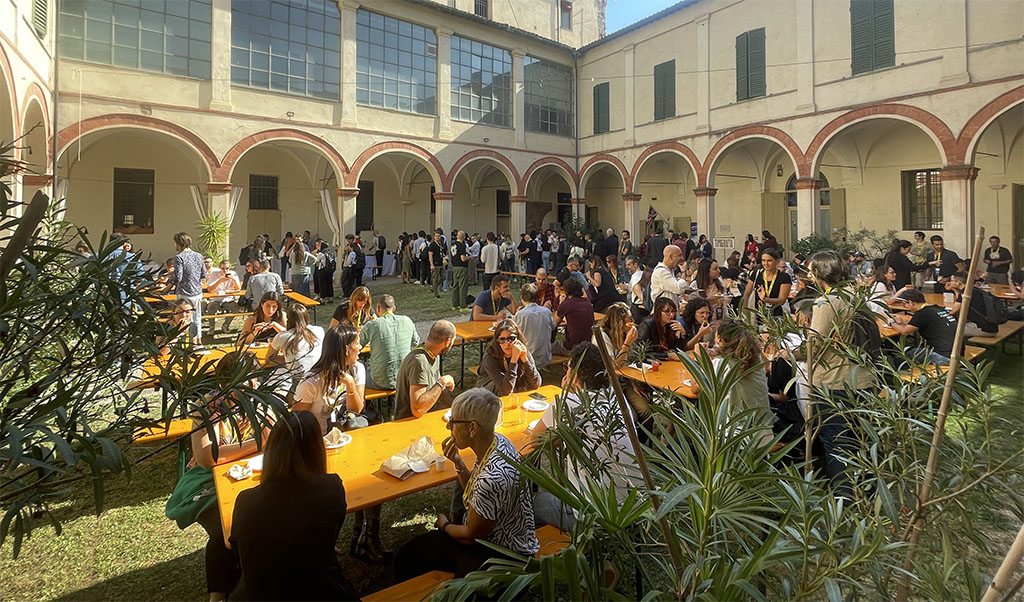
659 93
601 108
755 63
39 17
665 90
882 34
741 67
862 49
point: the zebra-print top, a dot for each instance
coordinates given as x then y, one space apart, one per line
501 494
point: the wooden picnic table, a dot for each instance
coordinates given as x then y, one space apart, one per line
358 463
209 356
671 376
1002 291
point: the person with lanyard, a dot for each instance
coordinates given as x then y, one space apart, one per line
420 385
771 284
942 261
357 310
499 506
507 366
436 258
998 259
490 256
495 304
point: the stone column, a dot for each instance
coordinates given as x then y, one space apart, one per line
958 207
808 206
703 75
629 109
347 115
517 218
443 211
805 56
953 25
705 211
30 184
346 211
220 55
444 80
630 211
579 208
218 199
519 98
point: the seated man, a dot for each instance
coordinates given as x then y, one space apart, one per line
391 337
978 323
496 303
419 384
577 312
935 325
571 269
546 296
536 323
591 411
222 280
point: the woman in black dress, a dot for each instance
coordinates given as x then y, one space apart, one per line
897 259
771 284
604 292
661 332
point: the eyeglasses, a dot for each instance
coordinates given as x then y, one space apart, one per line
505 340
452 421
183 311
668 310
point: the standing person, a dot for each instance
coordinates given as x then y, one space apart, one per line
421 246
302 269
420 385
436 258
768 241
750 246
349 269
656 249
371 249
253 252
602 283
545 250
490 256
460 263
262 282
536 324
611 244
326 264
474 258
942 261
625 247
998 260
704 247
635 295
507 366
189 272
405 257
905 269
508 254
771 284
525 253
918 253
391 337
284 251
663 280
223 280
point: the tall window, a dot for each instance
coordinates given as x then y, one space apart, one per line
601 109
750 76
872 36
174 39
480 8
133 200
481 83
922 199
824 207
547 91
286 45
502 203
396 64
665 90
364 206
566 15
262 192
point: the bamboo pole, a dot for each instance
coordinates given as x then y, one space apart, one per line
917 523
997 589
641 460
810 418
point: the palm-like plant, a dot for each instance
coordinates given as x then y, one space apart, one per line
213 235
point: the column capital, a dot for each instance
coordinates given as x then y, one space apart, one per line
444 196
218 187
704 191
351 5
518 199
958 172
808 184
631 197
32 179
348 192
578 201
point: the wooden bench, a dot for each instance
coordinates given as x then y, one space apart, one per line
178 430
304 300
371 394
1006 330
970 354
552 540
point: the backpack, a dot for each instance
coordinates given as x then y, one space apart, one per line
360 263
987 311
865 333
382 243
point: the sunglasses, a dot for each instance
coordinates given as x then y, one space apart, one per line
184 311
505 340
452 421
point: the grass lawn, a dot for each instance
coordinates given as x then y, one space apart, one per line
132 552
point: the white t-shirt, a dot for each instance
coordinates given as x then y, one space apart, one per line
633 281
491 257
224 286
299 362
311 390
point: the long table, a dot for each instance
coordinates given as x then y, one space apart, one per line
670 376
358 463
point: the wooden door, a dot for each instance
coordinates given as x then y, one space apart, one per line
837 209
775 217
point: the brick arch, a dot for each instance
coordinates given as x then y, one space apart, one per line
246 144
122 120
35 93
972 131
627 179
674 148
506 167
556 163
755 131
931 125
12 93
381 148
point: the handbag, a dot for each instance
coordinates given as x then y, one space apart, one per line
349 420
193 495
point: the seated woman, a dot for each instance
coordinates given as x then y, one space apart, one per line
619 276
661 332
356 311
619 333
499 508
300 345
507 366
236 438
181 318
696 321
603 291
265 323
710 287
284 529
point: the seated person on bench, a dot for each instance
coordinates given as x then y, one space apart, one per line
935 325
223 280
496 303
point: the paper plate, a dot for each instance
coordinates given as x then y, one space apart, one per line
255 463
534 423
535 405
345 440
931 281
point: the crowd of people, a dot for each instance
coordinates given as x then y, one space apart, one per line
669 296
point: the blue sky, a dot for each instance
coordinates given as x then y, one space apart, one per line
626 12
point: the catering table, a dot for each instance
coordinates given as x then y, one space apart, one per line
371 263
358 463
670 376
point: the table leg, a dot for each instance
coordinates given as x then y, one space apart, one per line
462 373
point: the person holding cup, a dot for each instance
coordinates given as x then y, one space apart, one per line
265 323
507 366
696 321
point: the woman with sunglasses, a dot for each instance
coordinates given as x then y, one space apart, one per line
661 332
507 366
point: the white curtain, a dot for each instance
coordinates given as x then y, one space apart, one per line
236 196
331 211
198 199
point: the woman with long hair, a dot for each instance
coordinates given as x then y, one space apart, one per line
333 389
771 284
405 253
661 332
618 331
750 246
641 306
697 321
181 319
507 366
709 285
285 528
618 275
897 259
602 284
265 322
302 269
357 310
300 344
323 276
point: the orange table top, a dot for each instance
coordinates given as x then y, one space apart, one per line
1002 291
358 463
474 331
209 357
300 298
670 375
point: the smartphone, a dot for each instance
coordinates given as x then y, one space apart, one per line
538 396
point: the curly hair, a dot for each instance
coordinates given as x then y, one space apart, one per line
739 342
690 310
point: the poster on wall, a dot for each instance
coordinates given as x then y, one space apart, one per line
693 229
725 242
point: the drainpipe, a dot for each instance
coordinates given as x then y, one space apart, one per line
53 97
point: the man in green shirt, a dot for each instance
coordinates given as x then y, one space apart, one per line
390 337
460 272
420 386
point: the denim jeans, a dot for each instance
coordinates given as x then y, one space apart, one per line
837 441
546 256
927 356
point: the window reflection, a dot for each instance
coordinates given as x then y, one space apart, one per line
481 83
396 64
548 97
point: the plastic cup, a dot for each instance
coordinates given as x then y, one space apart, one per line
513 415
655 365
441 465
